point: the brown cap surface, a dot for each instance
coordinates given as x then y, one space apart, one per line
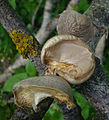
73 23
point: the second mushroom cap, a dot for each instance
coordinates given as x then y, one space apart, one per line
73 23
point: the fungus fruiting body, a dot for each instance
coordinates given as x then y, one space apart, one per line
69 57
32 91
73 23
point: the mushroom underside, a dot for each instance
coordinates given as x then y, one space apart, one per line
70 59
32 91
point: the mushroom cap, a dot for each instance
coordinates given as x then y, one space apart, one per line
32 91
69 57
73 23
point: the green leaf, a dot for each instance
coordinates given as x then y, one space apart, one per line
19 70
4 113
13 3
82 6
30 27
7 112
85 113
87 110
8 86
53 113
2 102
30 69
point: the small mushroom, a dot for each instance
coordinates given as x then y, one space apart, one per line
32 91
69 57
73 23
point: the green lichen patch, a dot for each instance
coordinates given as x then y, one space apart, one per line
24 43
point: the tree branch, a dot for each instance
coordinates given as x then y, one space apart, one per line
42 33
11 21
18 63
8 72
35 13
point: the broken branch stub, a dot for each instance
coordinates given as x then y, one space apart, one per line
73 23
69 57
30 92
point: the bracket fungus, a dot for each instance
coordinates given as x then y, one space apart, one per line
32 91
73 23
69 57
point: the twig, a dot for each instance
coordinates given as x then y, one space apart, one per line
46 19
9 71
18 63
4 77
35 13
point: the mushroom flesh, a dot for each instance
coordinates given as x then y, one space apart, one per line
69 57
32 91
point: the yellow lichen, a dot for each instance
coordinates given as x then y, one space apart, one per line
24 43
74 6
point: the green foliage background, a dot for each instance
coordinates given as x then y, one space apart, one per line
8 54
